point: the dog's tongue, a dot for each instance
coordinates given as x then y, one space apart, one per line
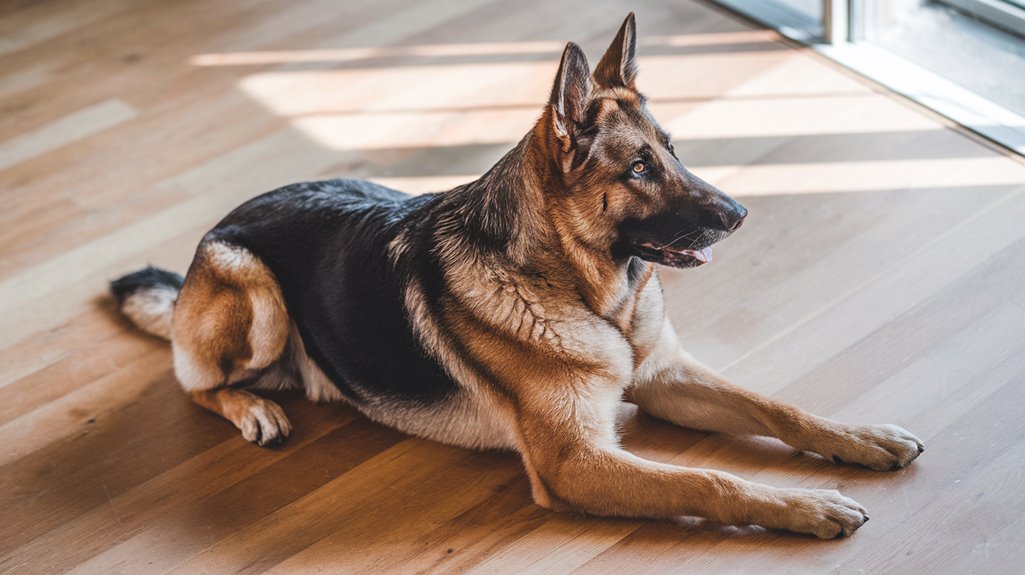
704 255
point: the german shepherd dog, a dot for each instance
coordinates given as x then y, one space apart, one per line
514 312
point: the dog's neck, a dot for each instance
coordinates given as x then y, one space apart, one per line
501 210
513 209
606 283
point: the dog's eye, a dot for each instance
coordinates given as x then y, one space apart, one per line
639 167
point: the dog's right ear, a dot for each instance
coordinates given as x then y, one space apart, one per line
618 67
568 101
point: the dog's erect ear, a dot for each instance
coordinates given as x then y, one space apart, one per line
570 94
618 67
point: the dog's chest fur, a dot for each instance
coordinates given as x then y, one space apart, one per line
534 319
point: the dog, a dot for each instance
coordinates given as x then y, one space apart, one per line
514 312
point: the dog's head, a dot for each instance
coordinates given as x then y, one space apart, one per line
621 187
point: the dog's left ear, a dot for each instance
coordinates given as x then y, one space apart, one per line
570 96
618 67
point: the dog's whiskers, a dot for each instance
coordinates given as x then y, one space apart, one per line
681 236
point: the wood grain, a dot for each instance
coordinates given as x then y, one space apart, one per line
879 278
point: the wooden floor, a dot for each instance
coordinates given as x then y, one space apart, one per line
880 278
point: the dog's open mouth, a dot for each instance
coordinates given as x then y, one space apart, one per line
677 257
669 243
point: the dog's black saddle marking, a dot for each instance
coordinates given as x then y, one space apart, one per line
327 244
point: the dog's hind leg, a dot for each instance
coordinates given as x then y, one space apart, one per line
230 329
261 420
675 387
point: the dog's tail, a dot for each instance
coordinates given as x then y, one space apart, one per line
147 298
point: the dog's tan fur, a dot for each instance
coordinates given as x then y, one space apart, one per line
545 340
230 322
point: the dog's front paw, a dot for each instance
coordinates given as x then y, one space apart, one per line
824 513
879 447
263 422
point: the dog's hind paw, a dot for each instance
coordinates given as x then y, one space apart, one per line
264 423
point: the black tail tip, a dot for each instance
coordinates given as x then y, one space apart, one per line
148 277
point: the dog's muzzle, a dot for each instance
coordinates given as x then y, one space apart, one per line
682 238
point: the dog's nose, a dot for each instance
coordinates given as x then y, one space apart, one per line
733 217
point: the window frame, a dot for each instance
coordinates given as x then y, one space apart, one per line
997 13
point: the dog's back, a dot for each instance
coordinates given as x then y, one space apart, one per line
328 243
309 286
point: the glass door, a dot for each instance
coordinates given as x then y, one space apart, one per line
963 58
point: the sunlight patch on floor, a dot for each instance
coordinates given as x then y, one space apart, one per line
340 55
845 177
401 107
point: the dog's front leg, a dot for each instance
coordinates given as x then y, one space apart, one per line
570 470
679 389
